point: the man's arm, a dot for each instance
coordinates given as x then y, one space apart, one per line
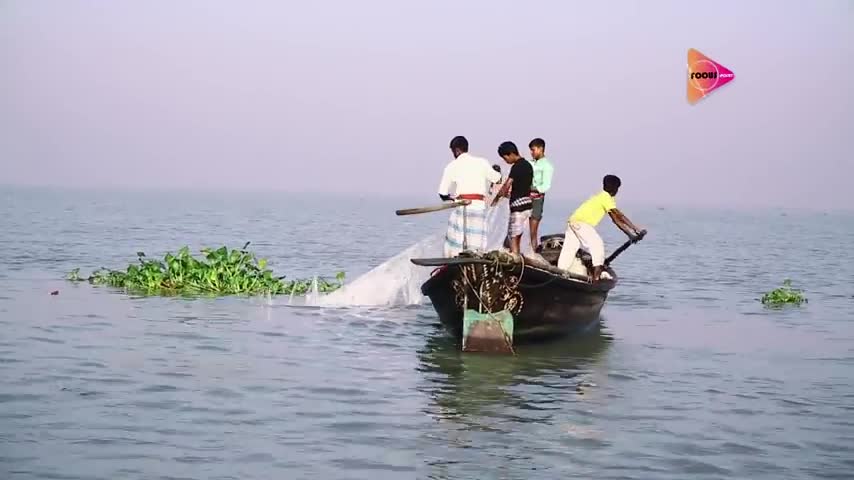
504 191
623 223
445 184
505 188
628 222
548 171
512 176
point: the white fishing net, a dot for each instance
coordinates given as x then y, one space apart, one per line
397 281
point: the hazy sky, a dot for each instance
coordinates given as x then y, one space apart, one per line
365 95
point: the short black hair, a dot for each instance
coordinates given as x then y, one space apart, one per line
611 182
537 142
497 168
460 143
507 148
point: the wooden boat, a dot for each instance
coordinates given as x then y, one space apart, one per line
529 296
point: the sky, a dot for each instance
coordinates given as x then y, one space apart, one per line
365 96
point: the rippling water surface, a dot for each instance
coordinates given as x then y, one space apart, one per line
689 376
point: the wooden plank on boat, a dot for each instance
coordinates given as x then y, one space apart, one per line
442 261
529 262
542 264
487 332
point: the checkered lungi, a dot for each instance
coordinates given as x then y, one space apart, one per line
473 229
518 222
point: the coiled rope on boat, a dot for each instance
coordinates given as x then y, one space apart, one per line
492 284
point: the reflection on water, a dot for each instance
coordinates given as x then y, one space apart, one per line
465 386
514 413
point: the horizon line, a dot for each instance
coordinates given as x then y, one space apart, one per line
386 194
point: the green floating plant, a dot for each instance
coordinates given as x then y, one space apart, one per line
785 295
219 272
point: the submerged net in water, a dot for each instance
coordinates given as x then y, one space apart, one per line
397 281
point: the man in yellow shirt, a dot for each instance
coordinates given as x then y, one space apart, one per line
581 226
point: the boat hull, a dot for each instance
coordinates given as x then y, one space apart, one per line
544 305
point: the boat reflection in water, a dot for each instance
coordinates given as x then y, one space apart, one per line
473 388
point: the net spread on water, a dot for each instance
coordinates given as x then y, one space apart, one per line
397 281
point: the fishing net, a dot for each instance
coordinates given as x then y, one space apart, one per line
397 281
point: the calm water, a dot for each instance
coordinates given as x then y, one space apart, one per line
689 377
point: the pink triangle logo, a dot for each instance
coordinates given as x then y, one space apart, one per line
705 76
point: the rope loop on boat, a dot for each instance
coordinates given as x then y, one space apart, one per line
490 284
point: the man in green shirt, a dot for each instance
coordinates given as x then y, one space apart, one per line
543 172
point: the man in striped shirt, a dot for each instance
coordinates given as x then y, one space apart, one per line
518 188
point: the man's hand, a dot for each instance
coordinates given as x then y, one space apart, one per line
638 235
505 188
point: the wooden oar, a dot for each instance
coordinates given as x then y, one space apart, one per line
433 208
623 247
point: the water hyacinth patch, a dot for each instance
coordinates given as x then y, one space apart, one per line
785 295
220 272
